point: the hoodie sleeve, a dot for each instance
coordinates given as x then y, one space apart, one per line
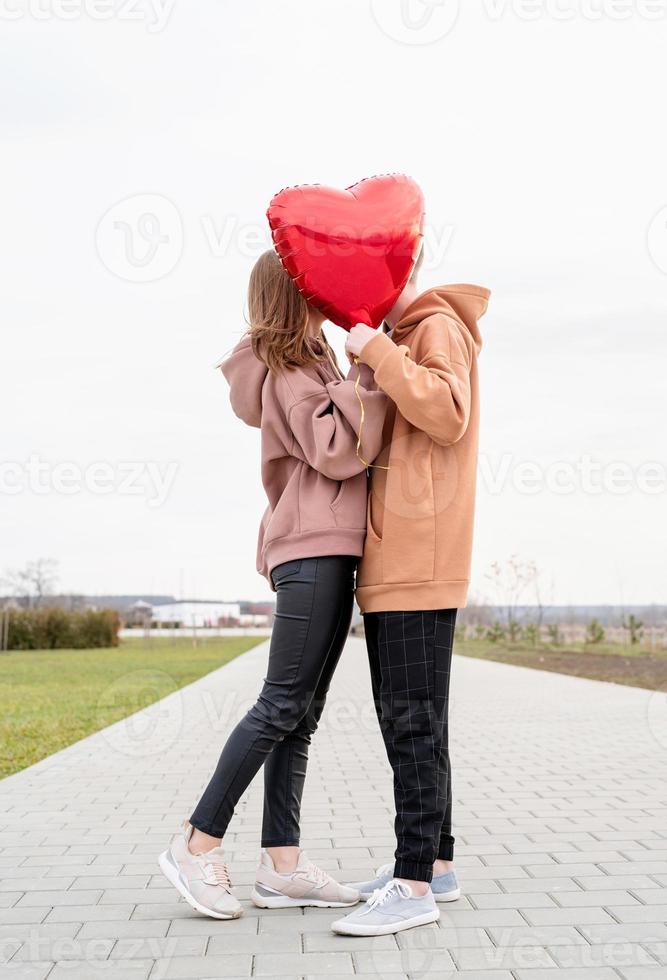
434 394
325 425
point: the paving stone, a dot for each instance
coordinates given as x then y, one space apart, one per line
594 973
224 942
412 961
60 948
499 900
503 958
639 913
298 964
158 947
84 970
121 929
89 913
26 971
642 972
201 967
537 936
567 917
613 954
580 900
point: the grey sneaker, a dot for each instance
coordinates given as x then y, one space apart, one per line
390 909
445 887
202 879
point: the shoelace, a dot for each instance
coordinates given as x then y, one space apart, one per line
382 895
316 874
218 872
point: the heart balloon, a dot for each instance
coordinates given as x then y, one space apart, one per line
351 252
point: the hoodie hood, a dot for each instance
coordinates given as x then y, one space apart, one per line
246 375
463 303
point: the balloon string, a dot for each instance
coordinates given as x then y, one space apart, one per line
375 466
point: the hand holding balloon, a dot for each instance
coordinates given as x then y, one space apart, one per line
357 339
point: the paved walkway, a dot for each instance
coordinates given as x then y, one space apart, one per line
561 819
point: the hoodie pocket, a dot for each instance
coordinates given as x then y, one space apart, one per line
373 527
336 502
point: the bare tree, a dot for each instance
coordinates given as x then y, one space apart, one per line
34 582
510 580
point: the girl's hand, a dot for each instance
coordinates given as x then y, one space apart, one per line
357 339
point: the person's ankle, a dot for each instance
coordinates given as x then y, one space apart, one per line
441 867
285 859
418 888
200 842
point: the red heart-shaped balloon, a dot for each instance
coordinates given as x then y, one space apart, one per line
351 252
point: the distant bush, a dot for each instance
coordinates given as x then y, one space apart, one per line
594 632
554 634
51 628
635 628
513 631
495 634
531 634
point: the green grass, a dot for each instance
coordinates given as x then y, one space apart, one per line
51 698
635 666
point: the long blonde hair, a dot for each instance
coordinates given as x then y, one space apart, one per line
278 318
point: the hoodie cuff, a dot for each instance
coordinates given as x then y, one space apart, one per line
374 351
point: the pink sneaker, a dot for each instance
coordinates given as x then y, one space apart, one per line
308 885
202 879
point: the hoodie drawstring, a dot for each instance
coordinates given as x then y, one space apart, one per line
375 466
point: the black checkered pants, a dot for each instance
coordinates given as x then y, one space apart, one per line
410 656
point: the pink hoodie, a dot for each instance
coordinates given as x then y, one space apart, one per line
316 484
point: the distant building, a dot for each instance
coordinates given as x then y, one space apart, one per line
140 613
197 614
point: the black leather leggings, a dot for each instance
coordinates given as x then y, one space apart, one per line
313 613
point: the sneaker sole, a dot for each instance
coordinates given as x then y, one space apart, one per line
343 928
447 896
285 902
438 896
168 871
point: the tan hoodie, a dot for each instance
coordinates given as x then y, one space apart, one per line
420 511
316 484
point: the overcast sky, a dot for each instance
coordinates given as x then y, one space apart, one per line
139 152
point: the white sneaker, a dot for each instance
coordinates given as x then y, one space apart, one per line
389 910
202 879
